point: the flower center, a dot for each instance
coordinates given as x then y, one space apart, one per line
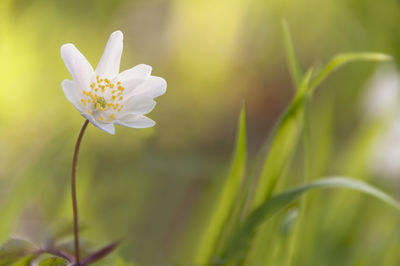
104 97
101 103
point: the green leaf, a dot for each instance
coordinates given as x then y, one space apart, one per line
285 139
292 59
53 261
240 239
14 249
25 261
343 59
283 146
226 203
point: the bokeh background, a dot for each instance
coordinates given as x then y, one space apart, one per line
155 188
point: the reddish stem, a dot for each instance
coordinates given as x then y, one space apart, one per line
73 190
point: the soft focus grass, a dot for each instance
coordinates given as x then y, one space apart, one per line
159 188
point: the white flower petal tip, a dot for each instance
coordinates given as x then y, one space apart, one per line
141 71
117 34
153 87
162 86
105 97
110 60
79 68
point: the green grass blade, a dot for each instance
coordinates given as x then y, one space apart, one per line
343 59
283 145
285 139
241 237
225 206
292 59
295 234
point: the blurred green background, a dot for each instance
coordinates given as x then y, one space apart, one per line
155 188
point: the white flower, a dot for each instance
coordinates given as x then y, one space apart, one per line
106 97
382 92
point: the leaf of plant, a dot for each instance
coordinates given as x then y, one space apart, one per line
342 59
98 255
283 145
14 249
240 239
53 261
225 205
292 59
25 261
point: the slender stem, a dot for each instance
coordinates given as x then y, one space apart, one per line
73 190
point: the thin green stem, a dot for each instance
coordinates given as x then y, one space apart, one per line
73 190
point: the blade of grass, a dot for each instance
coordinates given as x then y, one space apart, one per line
283 145
295 234
291 56
343 59
223 210
335 63
240 238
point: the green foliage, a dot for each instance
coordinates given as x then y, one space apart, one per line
240 238
293 62
14 250
284 144
25 261
230 230
343 59
224 212
53 261
295 120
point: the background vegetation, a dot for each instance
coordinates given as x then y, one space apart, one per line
157 188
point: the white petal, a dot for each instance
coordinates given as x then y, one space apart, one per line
109 63
106 127
138 105
80 69
137 72
135 121
72 93
131 84
151 87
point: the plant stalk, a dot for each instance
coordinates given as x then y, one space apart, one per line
73 191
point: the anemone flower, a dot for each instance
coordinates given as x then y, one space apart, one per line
106 97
